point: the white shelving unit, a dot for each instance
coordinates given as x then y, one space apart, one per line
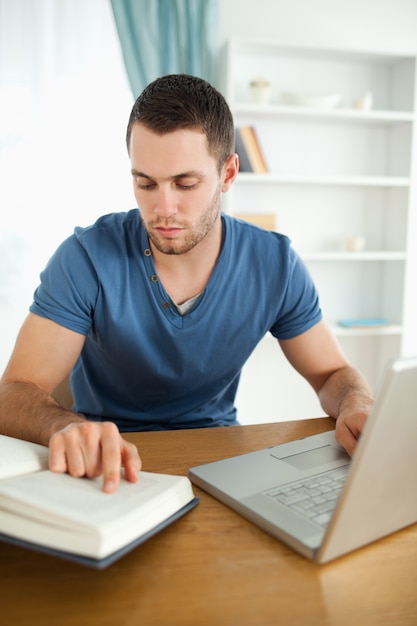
335 174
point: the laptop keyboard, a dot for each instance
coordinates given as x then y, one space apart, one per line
314 497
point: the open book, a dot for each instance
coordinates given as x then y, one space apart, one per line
73 517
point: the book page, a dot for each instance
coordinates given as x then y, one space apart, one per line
79 508
21 457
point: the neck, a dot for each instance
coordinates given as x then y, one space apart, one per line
186 275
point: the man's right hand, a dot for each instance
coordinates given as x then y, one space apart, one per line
94 449
44 354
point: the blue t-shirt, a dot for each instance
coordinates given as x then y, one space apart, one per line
143 365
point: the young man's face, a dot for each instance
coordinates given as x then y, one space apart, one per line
177 187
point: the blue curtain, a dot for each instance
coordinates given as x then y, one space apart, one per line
161 37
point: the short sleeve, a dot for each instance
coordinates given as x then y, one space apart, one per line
68 289
301 307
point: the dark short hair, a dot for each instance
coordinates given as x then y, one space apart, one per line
178 101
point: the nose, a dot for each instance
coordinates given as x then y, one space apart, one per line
166 203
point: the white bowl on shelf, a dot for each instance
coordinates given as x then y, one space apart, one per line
306 100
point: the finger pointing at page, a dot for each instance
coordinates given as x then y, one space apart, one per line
93 449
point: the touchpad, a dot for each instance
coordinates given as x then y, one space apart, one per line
314 458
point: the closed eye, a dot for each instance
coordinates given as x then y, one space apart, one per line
186 187
146 187
185 181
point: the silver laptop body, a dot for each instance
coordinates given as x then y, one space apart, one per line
378 492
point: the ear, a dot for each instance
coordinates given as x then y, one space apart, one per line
230 170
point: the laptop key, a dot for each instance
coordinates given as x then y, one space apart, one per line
314 498
323 519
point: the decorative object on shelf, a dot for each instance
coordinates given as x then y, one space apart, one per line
330 101
356 243
249 150
365 102
260 90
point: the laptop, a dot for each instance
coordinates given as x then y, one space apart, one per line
312 496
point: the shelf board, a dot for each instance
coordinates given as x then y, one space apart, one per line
390 329
339 331
292 49
353 115
346 181
374 255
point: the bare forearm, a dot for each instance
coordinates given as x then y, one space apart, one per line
28 412
344 390
44 354
347 397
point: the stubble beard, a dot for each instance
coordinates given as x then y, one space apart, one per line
194 235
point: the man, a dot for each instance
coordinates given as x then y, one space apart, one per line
155 311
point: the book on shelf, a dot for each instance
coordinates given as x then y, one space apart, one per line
244 162
72 517
363 322
251 158
264 220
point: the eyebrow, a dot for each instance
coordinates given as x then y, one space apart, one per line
190 174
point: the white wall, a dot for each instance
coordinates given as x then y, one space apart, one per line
64 106
366 24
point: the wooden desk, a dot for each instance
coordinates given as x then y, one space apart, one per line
212 566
